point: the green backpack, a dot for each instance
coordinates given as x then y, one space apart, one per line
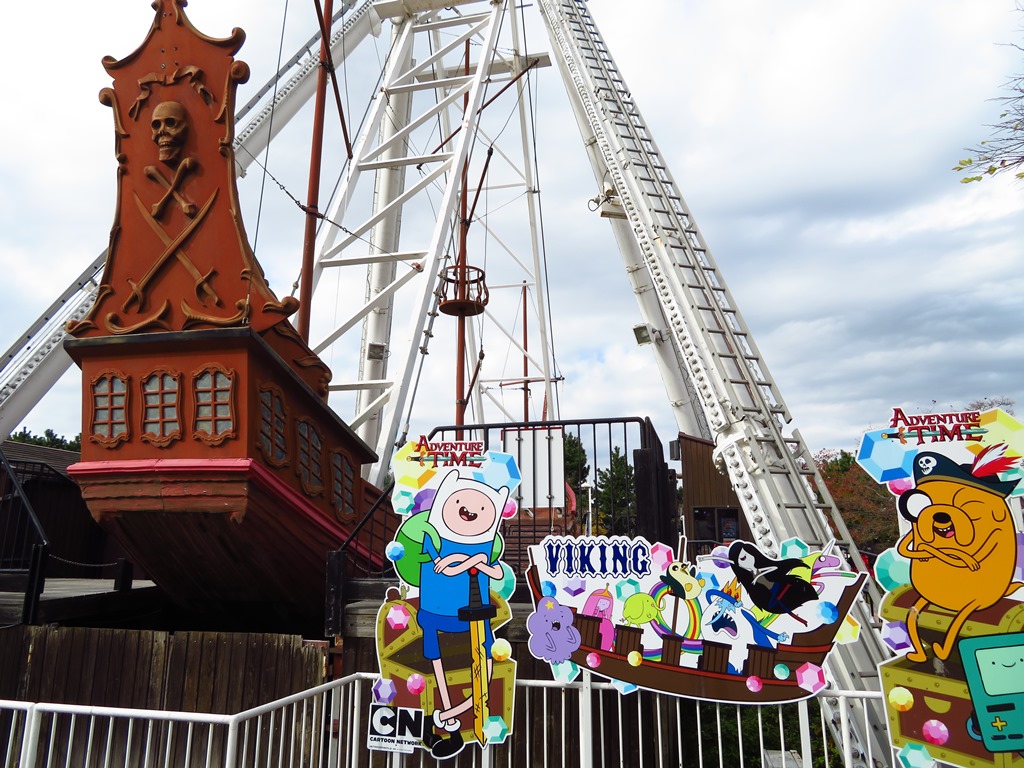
411 534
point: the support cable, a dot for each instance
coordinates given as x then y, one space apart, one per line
273 109
329 65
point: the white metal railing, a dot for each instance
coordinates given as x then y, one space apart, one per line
582 723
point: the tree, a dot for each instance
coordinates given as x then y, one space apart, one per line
1003 151
48 439
574 464
867 507
614 496
987 403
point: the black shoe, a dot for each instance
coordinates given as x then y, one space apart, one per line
430 738
445 748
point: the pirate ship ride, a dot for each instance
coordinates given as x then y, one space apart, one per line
209 451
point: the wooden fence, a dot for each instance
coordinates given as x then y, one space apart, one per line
215 672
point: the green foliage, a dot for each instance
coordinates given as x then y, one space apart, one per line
49 439
575 466
614 496
968 163
867 507
726 730
1003 151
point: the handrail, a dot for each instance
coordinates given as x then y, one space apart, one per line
314 717
263 709
333 596
385 494
20 493
40 550
536 424
270 706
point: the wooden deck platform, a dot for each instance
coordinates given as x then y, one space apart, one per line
70 599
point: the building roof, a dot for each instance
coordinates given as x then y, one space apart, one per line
55 458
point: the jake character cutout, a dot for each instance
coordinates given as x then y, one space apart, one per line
962 540
465 513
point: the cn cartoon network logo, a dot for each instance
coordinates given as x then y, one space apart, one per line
395 729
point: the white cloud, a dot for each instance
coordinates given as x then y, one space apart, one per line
812 141
977 207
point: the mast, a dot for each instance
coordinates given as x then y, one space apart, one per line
526 361
313 190
460 274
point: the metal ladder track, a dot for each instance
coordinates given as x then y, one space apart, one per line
774 475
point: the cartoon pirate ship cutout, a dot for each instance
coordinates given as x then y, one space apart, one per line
438 655
953 612
209 451
735 626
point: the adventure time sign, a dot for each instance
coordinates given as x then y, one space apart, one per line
734 626
953 612
444 676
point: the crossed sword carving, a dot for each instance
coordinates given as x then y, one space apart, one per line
173 246
185 167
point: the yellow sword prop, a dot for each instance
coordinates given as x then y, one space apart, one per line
478 614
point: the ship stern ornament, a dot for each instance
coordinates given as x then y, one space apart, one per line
209 450
178 255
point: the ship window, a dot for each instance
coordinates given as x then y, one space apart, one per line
273 420
160 420
214 404
310 467
110 409
343 485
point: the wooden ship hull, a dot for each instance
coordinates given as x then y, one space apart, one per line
237 511
710 680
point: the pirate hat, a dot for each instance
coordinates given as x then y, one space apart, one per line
929 466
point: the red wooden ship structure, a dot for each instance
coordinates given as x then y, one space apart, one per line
209 451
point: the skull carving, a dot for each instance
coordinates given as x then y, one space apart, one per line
170 128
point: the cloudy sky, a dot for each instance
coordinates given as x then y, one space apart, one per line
812 141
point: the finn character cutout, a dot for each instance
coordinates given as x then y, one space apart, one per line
465 513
